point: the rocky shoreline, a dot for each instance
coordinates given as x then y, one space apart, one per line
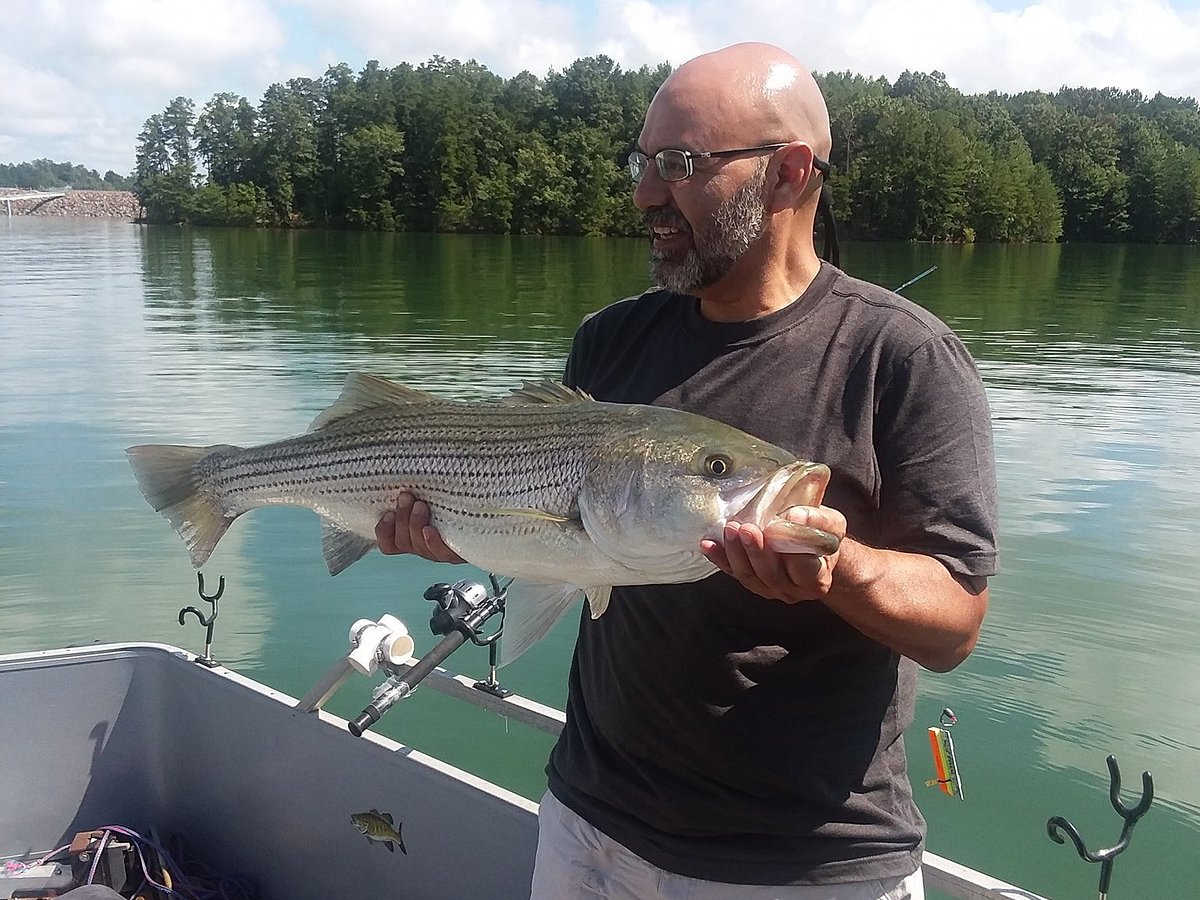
86 204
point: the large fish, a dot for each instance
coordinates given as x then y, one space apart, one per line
566 494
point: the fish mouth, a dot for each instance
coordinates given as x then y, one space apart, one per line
799 483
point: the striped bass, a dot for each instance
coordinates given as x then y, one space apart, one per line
569 495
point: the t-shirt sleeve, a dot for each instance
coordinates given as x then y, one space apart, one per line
937 466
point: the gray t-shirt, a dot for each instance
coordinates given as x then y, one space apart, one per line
727 737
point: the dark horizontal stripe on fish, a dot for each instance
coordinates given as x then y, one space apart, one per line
279 457
345 475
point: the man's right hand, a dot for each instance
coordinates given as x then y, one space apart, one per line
406 529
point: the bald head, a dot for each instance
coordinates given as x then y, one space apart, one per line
745 94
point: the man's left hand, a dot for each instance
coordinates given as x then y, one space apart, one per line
789 577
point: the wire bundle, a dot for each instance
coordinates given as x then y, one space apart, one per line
195 881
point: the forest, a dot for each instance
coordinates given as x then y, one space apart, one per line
450 146
45 175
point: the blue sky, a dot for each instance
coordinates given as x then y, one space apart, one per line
83 75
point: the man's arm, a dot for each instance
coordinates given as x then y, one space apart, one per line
907 601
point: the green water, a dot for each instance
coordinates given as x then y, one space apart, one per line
111 334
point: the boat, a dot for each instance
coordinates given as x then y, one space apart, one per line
115 756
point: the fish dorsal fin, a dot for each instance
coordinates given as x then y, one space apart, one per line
546 391
363 391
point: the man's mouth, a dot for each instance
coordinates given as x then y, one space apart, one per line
667 234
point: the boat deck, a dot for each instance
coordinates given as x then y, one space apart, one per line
141 736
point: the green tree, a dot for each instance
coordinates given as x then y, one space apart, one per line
288 146
225 138
372 161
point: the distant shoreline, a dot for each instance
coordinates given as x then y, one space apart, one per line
82 204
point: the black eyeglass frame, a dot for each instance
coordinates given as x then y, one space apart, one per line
638 162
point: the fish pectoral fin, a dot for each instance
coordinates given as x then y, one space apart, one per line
598 600
530 513
362 391
342 547
545 392
530 611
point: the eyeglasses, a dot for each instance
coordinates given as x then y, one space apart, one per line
676 165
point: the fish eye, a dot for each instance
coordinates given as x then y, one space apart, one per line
718 464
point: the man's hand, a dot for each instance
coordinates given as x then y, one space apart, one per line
790 577
907 601
406 529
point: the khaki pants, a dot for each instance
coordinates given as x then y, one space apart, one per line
577 862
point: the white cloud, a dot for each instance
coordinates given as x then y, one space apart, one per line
506 35
84 76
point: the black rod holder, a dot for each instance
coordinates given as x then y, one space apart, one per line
1129 814
207 621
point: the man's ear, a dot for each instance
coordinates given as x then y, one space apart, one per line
793 180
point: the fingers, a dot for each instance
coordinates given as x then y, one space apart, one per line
407 529
790 577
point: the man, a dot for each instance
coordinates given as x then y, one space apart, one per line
742 736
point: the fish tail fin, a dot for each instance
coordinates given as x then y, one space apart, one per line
167 475
400 839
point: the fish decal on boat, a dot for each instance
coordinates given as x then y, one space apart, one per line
568 495
381 828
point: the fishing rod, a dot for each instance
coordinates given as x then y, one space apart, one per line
915 279
460 609
459 613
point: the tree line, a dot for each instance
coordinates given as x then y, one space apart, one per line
47 175
451 146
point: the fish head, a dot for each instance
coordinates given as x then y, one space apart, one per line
674 478
361 822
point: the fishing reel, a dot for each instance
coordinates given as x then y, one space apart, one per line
464 606
460 610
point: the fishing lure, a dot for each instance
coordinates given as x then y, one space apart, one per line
948 779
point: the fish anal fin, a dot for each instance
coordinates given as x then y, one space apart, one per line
363 391
530 611
341 548
546 392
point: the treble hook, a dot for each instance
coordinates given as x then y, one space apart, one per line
1130 815
206 621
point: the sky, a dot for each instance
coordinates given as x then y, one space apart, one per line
79 77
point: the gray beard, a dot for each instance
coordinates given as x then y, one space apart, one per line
734 227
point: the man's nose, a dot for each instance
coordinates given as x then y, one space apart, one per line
651 191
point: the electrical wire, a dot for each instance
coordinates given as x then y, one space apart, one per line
194 880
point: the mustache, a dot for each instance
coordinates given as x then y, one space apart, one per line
664 217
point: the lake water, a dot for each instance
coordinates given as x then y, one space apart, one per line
113 334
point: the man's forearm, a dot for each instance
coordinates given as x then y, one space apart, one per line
909 602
